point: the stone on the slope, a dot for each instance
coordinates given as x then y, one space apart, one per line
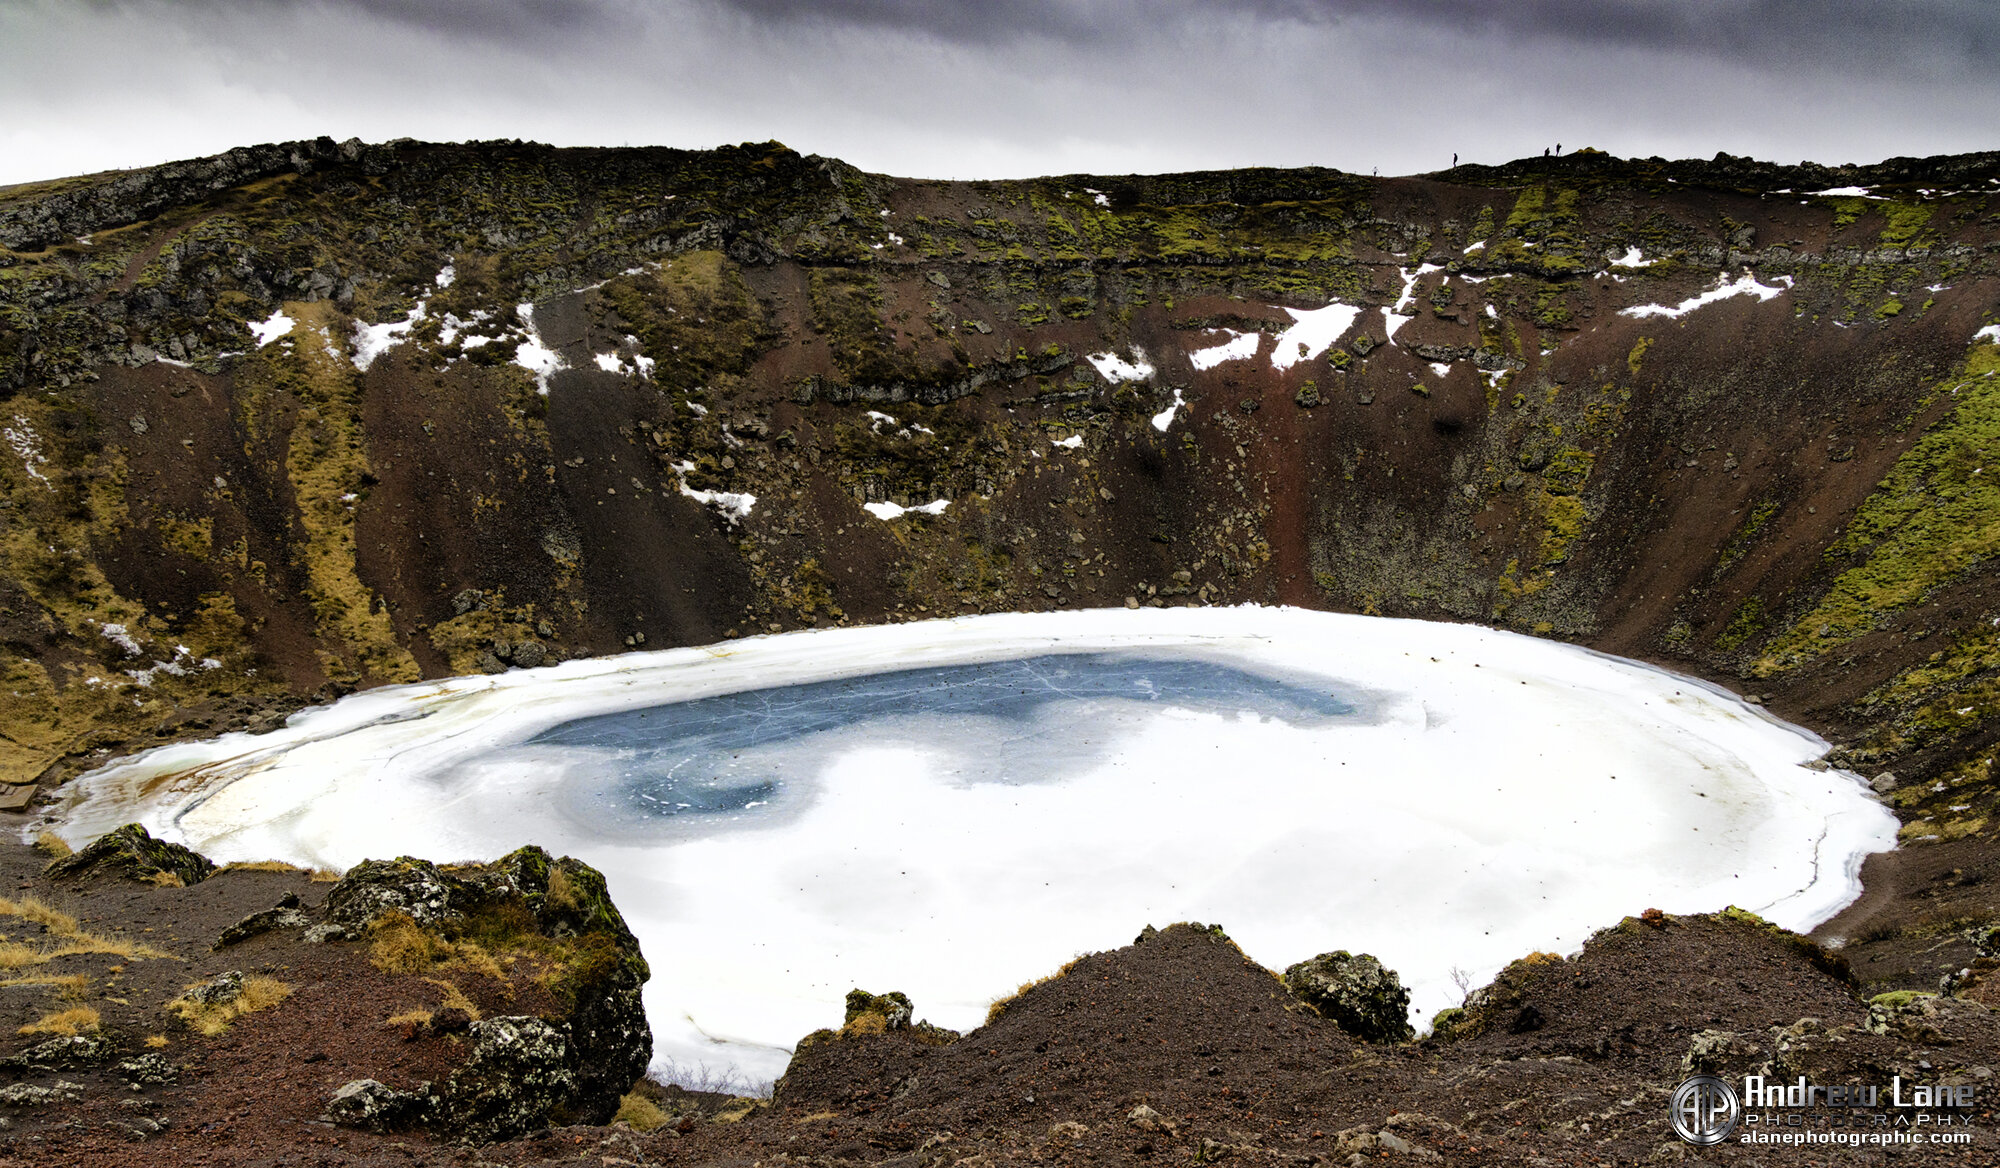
374 1106
132 852
1355 993
147 1070
219 990
269 920
515 1079
62 1054
374 888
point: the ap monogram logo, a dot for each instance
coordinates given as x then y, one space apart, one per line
1704 1110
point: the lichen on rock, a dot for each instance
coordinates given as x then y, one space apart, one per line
132 852
1355 993
554 912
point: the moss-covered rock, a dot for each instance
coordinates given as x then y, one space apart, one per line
557 915
132 852
1355 993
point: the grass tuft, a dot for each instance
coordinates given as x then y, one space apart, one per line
64 1023
259 993
263 866
640 1113
402 947
454 998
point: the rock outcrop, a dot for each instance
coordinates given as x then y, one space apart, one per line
132 852
1355 993
519 1072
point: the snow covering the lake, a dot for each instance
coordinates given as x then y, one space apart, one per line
1112 367
1313 331
888 511
950 808
1238 347
266 331
1745 285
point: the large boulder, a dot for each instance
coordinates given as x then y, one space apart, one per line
572 1065
521 1074
406 885
1355 993
132 852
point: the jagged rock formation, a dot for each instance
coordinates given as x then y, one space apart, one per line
132 852
519 1072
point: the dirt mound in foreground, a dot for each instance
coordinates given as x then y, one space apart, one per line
1173 1049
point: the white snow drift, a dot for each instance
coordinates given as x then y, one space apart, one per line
1112 367
1473 795
1745 285
888 511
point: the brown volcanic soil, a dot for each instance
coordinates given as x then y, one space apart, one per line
250 1095
1574 1065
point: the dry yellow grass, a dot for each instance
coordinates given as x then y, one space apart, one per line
156 1041
73 937
417 1016
325 876
261 866
56 921
474 957
455 997
562 889
109 947
72 987
64 1023
259 993
14 955
51 845
998 1008
402 947
639 1113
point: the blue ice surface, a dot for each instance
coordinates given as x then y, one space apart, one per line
754 754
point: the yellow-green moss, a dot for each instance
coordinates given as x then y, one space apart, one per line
326 463
1934 517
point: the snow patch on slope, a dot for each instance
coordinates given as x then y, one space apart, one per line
1745 285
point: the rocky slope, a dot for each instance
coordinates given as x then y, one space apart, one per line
310 417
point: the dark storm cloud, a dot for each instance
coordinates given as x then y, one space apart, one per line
1779 31
1931 35
999 88
525 21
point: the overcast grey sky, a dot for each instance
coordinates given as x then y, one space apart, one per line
1005 88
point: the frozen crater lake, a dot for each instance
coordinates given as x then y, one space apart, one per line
955 807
